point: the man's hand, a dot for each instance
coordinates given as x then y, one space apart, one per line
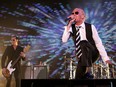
22 54
4 70
111 62
70 22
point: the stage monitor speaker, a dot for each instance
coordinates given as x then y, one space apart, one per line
40 72
27 72
35 72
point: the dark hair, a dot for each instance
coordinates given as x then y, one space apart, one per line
15 37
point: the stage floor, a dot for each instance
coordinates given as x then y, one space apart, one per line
3 82
68 83
62 82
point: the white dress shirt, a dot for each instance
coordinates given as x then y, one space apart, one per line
96 38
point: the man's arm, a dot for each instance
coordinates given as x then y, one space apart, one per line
68 29
66 34
99 45
22 54
4 56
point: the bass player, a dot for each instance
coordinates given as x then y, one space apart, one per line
12 53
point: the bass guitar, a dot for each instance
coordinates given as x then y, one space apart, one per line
10 69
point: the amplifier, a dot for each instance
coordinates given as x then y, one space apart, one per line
40 72
35 72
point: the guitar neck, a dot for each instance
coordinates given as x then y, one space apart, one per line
15 61
24 50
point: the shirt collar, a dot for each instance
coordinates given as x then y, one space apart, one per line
82 25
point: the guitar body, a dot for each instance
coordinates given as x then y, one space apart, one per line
9 67
8 70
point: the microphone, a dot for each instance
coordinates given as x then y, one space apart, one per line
68 19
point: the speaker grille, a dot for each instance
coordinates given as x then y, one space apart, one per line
35 72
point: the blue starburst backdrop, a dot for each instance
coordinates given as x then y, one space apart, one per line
40 24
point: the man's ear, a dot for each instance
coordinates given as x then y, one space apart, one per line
17 40
83 17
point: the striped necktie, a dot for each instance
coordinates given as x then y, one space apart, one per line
78 48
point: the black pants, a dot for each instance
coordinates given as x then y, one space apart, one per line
89 55
17 77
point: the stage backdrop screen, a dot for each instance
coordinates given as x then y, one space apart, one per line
40 23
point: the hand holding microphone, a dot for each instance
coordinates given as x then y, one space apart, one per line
111 62
70 20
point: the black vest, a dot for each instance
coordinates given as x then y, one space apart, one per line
89 37
88 33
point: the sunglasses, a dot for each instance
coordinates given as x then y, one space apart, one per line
13 40
76 13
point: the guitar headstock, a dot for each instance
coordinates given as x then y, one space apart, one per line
26 49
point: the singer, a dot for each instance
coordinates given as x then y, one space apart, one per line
88 45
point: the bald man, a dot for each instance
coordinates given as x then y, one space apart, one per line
90 43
